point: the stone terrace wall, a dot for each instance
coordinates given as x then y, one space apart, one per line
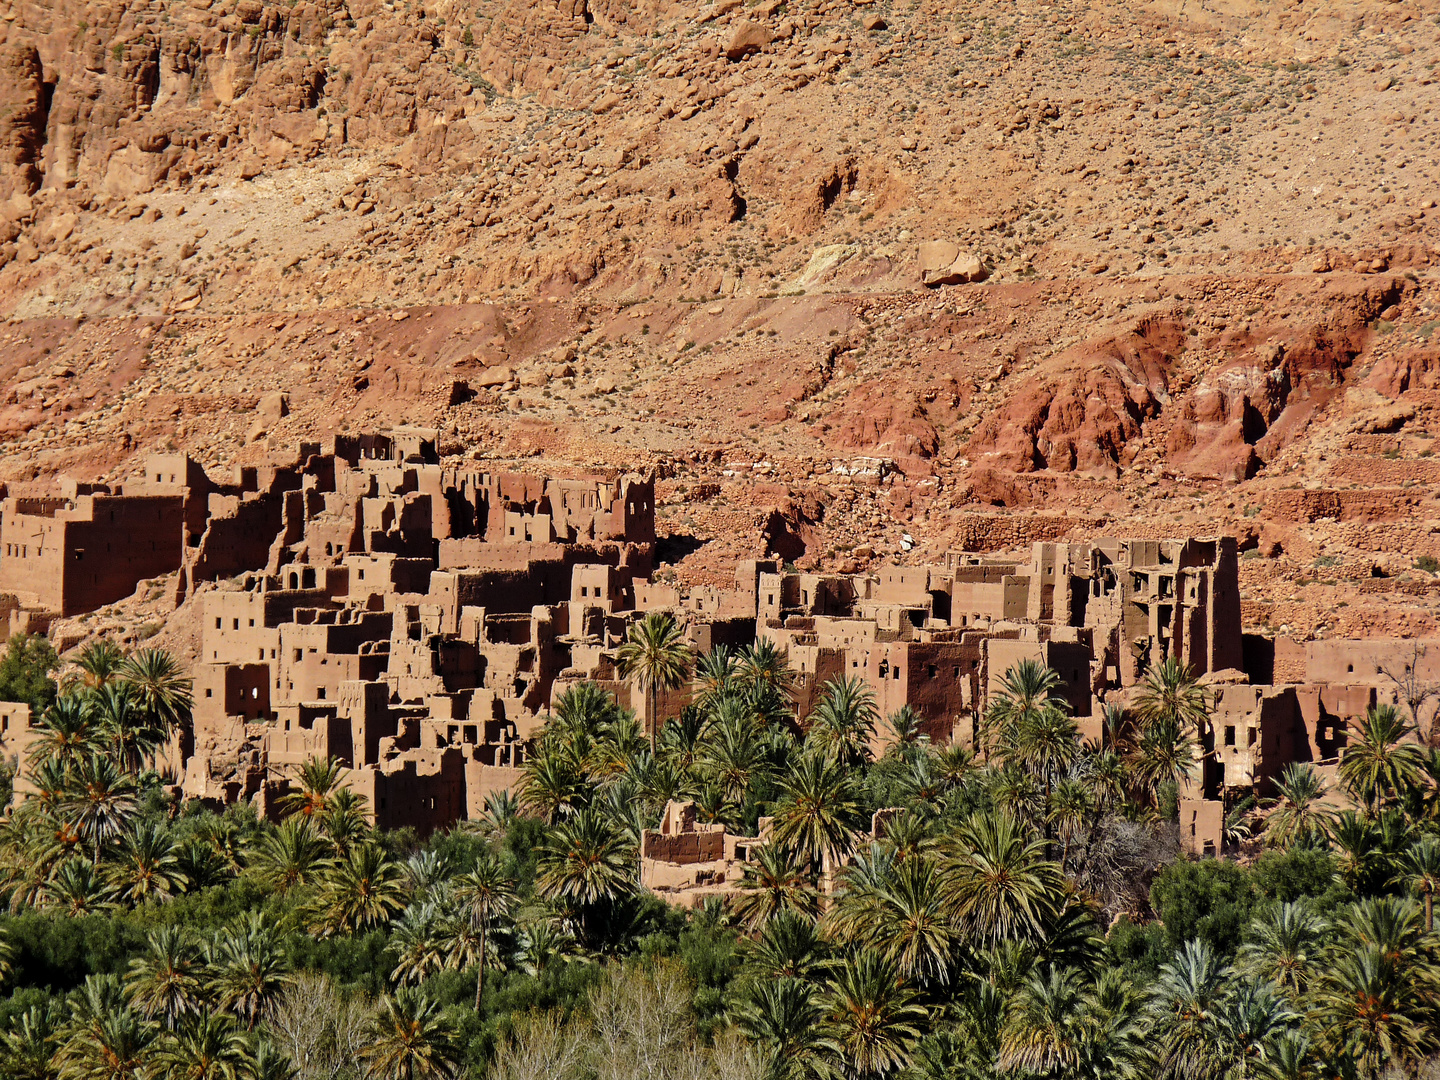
1003 532
1370 504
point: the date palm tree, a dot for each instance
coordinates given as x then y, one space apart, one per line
773 883
952 765
104 1039
1286 947
1359 854
1002 885
65 732
78 888
1250 1021
145 866
1292 1058
584 708
209 1047
1165 754
484 895
790 947
1378 764
1027 690
1184 1006
1372 1011
872 1019
906 731
1300 813
53 781
33 843
1171 695
344 821
862 884
129 730
1115 1046
551 784
361 891
1419 870
764 664
655 657
417 939
540 943
1015 792
818 813
735 755
410 1039
916 926
248 970
99 803
167 983
27 1046
100 662
1044 741
317 779
160 687
714 677
682 739
842 725
290 856
1071 805
502 808
1045 1031
224 835
584 864
782 1016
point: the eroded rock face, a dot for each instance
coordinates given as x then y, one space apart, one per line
1082 415
22 119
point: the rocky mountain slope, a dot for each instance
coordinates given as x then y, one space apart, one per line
695 237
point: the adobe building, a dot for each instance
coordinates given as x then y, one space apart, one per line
416 621
71 554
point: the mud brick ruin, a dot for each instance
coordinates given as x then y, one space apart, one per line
416 621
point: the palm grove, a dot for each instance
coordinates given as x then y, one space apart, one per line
1026 913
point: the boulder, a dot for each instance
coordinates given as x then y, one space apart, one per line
272 407
495 376
748 37
945 263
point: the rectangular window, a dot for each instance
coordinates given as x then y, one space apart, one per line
1229 735
217 624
